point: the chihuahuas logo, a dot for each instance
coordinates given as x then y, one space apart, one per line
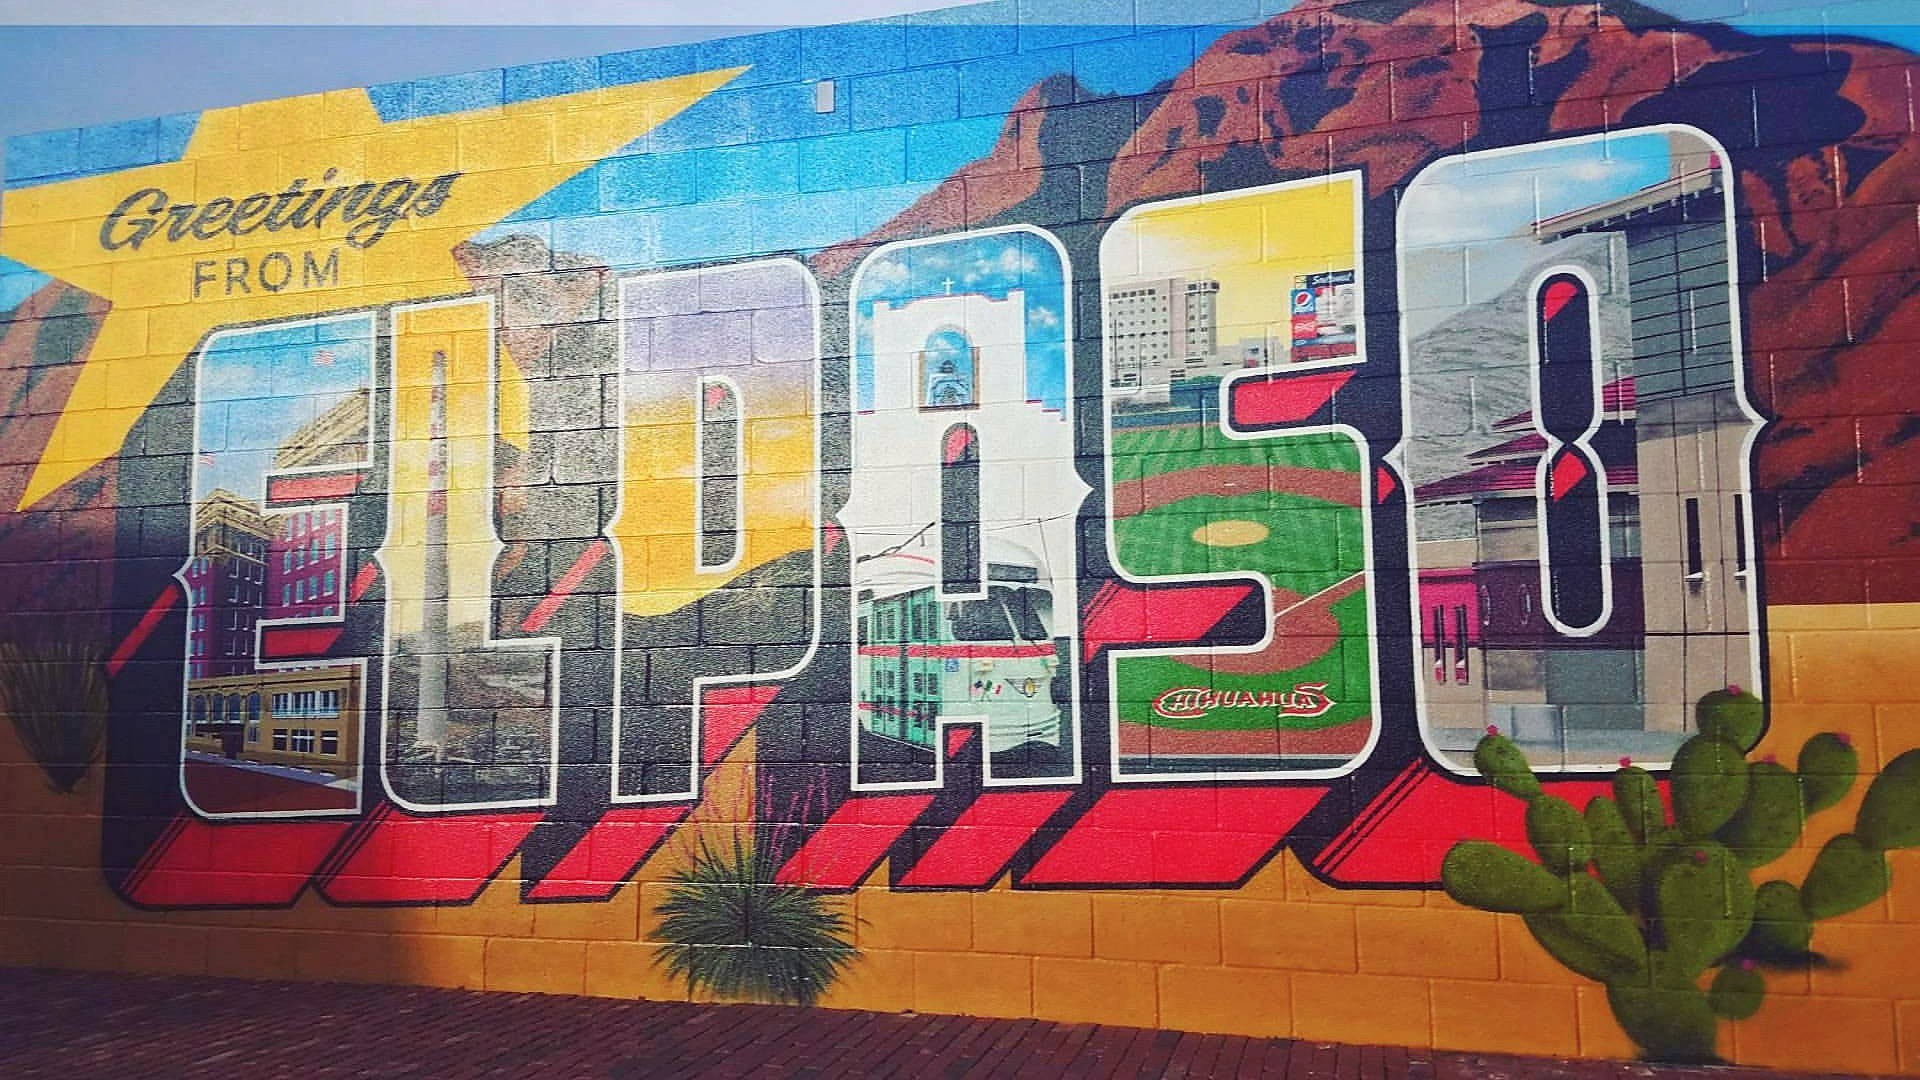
1193 702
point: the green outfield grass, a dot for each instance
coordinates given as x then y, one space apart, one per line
1310 543
1163 450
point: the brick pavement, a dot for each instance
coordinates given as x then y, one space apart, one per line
75 1025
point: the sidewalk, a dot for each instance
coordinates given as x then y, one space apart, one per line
74 1025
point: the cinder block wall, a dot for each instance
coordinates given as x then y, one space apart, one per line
1046 496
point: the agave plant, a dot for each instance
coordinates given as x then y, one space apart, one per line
55 692
728 928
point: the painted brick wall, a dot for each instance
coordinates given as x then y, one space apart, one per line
1053 507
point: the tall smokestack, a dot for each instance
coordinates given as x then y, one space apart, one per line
431 726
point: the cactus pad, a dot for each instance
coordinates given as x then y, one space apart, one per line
1847 874
1709 785
1704 902
1618 857
1489 877
1593 936
1505 767
1890 814
1668 1023
1737 992
1638 796
1782 932
1770 821
1731 714
1828 765
1558 834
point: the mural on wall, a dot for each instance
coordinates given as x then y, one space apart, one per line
1112 476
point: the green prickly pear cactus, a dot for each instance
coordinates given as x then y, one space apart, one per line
1709 785
1593 934
1491 878
1733 715
1890 814
1769 822
1558 834
1651 904
1828 766
1617 853
1666 1015
1737 991
1702 905
1782 929
1505 766
1846 875
1639 800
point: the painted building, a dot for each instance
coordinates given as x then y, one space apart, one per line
304 563
306 720
959 553
226 581
1166 331
305 559
1675 472
1072 491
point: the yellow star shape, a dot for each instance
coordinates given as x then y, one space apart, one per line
169 291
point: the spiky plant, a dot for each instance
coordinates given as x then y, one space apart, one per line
56 695
728 928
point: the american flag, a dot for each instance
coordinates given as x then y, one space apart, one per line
206 460
323 358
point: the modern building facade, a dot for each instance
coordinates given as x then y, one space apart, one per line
1166 331
228 581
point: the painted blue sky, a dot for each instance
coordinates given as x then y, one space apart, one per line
782 178
991 265
260 386
1467 220
1493 196
751 169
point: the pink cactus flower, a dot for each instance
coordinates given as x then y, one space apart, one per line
1626 762
1493 729
1733 688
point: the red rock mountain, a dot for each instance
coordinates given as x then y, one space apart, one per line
1820 140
